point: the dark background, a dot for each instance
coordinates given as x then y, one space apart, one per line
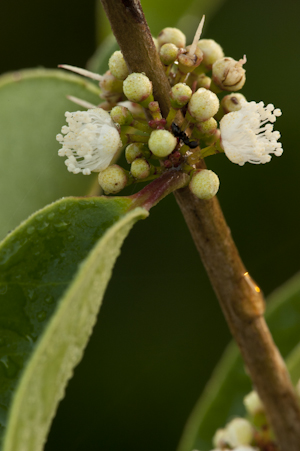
160 331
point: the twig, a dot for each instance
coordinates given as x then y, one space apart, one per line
239 297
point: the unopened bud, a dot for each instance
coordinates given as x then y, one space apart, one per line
203 105
168 54
162 143
155 43
211 52
253 403
204 184
140 168
228 74
137 87
136 150
110 84
219 439
232 102
113 179
135 109
239 432
121 115
208 126
188 62
203 81
117 65
173 36
180 95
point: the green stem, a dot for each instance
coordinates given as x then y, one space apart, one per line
171 116
142 127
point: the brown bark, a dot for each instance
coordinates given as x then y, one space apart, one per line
239 297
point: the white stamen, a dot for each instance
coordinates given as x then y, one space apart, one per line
84 72
246 135
81 102
197 36
243 60
91 140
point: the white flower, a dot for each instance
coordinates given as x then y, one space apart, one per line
247 135
91 140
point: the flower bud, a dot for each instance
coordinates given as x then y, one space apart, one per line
188 62
219 439
113 179
140 168
110 84
203 81
135 150
121 115
204 184
239 432
203 105
173 36
117 65
232 102
135 109
137 87
208 126
162 143
211 52
180 95
155 43
229 74
253 403
168 54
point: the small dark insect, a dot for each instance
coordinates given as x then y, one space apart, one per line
183 136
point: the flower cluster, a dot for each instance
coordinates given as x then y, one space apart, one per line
130 119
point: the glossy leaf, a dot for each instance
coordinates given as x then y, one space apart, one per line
32 107
56 254
223 395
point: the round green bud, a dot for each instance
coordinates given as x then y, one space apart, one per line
168 54
113 179
203 81
204 184
228 74
187 63
121 115
208 126
117 65
180 95
253 403
140 168
203 105
162 143
239 432
173 36
110 84
211 52
133 151
232 102
137 87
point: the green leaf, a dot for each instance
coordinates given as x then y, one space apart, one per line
48 304
223 395
32 107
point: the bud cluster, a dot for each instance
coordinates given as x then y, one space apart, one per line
198 124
